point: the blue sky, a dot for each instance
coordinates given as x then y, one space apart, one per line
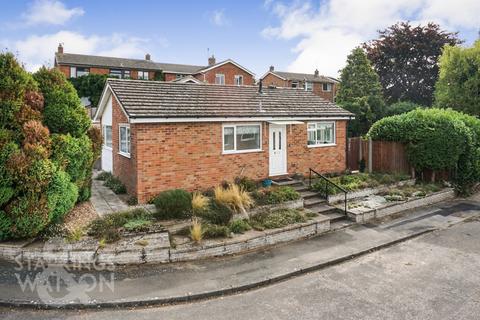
295 36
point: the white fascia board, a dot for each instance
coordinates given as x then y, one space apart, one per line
235 119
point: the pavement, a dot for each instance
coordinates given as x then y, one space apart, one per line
57 287
104 200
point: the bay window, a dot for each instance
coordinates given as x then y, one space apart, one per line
321 133
241 138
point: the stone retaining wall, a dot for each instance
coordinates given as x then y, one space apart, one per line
366 192
393 208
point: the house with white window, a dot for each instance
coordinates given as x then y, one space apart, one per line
166 135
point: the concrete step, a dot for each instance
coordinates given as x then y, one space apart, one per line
335 216
300 187
308 203
340 224
322 208
287 182
306 194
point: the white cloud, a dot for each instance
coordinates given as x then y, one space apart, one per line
49 12
38 50
328 31
218 18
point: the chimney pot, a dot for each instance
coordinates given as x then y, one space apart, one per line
211 60
147 56
316 73
272 68
60 48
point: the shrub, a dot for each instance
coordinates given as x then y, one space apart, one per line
103 176
132 201
215 231
401 107
275 195
246 184
233 196
173 204
239 226
5 226
137 225
196 232
217 213
62 196
199 203
115 185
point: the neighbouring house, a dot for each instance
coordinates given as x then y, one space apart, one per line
325 87
165 135
225 72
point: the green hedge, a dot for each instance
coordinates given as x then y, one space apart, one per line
436 139
173 204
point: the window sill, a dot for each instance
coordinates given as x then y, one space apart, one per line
126 155
321 145
241 151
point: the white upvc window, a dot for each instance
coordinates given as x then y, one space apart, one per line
76 72
238 80
238 138
143 75
107 136
327 87
308 86
219 78
295 84
320 134
124 139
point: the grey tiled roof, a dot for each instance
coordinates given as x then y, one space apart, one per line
143 99
112 62
303 76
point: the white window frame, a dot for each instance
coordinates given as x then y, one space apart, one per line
296 84
105 144
74 72
128 142
221 76
238 80
334 138
308 84
144 75
329 85
234 126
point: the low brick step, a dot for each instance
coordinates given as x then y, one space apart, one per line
301 187
322 208
306 194
308 203
287 182
340 224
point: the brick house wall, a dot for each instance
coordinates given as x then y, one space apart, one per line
271 79
229 70
123 167
170 76
65 69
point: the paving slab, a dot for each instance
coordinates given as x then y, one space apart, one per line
104 200
178 282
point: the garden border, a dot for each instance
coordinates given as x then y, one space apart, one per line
396 207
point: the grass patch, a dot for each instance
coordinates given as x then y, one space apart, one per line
110 227
276 219
418 190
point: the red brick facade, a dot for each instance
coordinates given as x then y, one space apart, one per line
271 79
95 70
230 71
189 156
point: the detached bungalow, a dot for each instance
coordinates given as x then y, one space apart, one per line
165 135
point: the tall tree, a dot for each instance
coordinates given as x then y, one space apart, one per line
458 85
405 57
360 92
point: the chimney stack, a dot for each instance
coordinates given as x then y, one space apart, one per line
211 60
147 56
316 73
60 48
272 68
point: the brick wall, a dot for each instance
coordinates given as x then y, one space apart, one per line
271 79
170 76
65 70
123 167
189 156
229 70
97 70
328 95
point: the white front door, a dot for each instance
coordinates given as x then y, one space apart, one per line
277 150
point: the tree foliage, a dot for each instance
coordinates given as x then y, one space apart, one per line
360 92
458 85
405 57
90 86
401 107
35 188
436 139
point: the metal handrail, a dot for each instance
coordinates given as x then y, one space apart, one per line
327 182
